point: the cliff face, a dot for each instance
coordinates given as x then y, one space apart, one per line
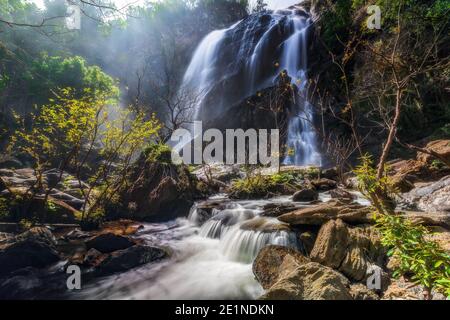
351 81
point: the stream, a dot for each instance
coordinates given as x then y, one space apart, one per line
208 261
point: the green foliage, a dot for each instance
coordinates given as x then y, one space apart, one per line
158 152
50 73
336 22
368 183
428 263
65 132
254 184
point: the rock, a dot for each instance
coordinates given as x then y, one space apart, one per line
330 173
40 234
93 258
305 195
330 246
160 192
431 197
441 236
121 227
132 257
30 249
405 172
264 225
10 163
349 250
324 184
441 147
401 289
361 292
109 242
205 210
310 281
272 261
343 195
441 219
333 209
277 209
220 172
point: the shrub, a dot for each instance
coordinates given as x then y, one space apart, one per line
428 263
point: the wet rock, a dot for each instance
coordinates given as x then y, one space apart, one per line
109 242
272 261
277 209
343 195
264 225
333 209
431 197
305 195
127 259
324 184
205 210
361 292
310 281
349 250
34 248
93 257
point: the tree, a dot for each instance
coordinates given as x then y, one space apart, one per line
261 6
68 130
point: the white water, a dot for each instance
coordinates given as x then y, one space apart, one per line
213 261
206 70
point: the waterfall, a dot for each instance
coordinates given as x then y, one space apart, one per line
235 63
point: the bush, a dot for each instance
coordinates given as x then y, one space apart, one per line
428 263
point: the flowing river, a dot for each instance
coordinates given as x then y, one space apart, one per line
208 261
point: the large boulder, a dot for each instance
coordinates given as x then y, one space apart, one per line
333 209
277 209
351 250
305 195
272 261
109 242
430 197
34 248
159 192
324 184
132 257
310 281
343 195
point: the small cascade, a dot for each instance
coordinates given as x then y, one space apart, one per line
235 63
242 233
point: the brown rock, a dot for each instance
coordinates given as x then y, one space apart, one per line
333 209
273 261
324 184
310 281
441 147
349 250
361 292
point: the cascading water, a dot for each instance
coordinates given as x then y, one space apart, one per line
233 64
212 260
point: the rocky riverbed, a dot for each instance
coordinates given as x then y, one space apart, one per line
318 242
